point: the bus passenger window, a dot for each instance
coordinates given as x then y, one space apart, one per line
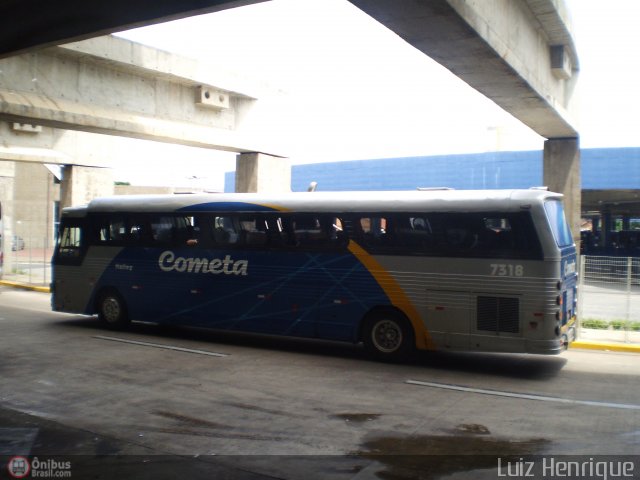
337 234
111 230
371 231
308 231
253 230
461 234
139 231
70 242
225 231
162 230
497 235
413 233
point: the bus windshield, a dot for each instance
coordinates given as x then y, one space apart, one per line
558 223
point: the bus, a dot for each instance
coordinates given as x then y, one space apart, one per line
1 243
487 270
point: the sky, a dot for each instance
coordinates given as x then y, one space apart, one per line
355 90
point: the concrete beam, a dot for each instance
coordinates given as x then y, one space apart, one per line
502 48
27 143
27 24
113 86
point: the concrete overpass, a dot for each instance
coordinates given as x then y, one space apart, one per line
519 53
112 86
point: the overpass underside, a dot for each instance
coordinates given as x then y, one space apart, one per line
519 53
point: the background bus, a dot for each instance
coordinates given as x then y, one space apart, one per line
460 270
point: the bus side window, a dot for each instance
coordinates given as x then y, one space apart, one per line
308 231
139 231
371 231
70 242
162 230
497 236
225 231
461 234
337 234
110 230
253 230
413 233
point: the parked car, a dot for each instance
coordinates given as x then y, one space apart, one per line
17 243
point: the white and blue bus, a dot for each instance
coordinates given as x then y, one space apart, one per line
397 271
1 243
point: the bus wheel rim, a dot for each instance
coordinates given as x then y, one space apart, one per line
111 309
386 336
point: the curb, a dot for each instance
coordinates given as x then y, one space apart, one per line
25 286
612 347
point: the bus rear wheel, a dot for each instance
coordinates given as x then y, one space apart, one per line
388 335
112 310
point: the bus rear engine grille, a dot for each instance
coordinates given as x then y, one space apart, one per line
498 314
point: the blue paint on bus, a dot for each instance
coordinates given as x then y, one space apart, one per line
319 295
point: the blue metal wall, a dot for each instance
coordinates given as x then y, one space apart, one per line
603 168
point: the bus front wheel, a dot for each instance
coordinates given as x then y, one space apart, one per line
112 310
388 335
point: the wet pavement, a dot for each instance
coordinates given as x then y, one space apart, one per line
152 402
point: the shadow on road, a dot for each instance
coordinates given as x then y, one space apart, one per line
521 366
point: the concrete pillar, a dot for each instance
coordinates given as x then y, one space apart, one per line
80 185
34 195
7 174
562 175
258 172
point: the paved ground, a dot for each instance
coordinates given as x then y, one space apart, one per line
273 408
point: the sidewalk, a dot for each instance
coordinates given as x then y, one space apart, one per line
611 340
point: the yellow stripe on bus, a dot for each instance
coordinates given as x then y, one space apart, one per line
395 293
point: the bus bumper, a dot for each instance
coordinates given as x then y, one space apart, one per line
546 347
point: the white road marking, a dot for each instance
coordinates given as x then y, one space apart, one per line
525 396
158 345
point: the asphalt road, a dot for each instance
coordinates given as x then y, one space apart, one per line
149 402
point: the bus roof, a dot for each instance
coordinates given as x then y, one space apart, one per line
363 201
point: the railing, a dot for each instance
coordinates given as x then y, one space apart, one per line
609 296
28 265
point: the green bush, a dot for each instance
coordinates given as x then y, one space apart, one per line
614 324
595 323
618 324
